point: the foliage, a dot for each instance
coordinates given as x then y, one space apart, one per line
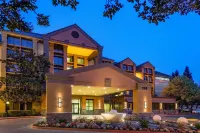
3 114
187 73
14 113
154 11
144 123
184 89
197 125
26 79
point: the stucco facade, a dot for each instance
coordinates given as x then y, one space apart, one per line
78 67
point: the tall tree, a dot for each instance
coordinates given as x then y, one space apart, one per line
154 11
185 90
176 73
187 73
27 76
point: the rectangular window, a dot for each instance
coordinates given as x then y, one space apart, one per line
58 61
145 78
13 41
124 67
150 79
145 70
80 61
57 70
70 67
58 48
144 88
89 104
70 59
130 68
149 71
27 43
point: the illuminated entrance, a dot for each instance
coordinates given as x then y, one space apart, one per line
89 85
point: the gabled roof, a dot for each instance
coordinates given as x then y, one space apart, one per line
68 28
160 74
67 73
147 62
107 58
116 63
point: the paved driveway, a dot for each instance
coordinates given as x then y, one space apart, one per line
22 125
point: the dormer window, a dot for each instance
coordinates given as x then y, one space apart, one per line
150 71
124 67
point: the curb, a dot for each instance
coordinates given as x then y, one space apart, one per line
90 130
24 117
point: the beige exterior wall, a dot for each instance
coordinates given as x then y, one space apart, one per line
54 91
142 101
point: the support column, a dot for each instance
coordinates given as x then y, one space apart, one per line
99 56
59 97
161 107
142 99
35 46
65 57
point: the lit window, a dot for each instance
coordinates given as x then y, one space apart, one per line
80 61
70 59
127 92
130 68
124 67
70 67
13 41
27 43
58 48
58 60
89 104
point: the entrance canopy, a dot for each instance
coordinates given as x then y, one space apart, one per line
95 90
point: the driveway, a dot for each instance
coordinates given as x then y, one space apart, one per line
22 125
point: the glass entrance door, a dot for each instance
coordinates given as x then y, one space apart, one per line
75 108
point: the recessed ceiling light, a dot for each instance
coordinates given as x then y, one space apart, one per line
72 86
93 91
105 92
72 93
95 94
118 89
88 87
79 90
104 88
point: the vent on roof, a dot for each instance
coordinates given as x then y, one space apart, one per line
75 34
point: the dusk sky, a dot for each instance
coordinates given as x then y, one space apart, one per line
169 46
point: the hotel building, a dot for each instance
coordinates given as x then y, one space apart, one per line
80 80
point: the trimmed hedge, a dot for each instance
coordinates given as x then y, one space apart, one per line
14 113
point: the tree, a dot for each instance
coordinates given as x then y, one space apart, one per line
176 73
154 11
187 73
27 77
185 91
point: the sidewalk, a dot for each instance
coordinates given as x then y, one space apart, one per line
20 117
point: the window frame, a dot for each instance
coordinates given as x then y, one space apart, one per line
87 107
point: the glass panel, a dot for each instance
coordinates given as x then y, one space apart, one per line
13 41
124 67
58 60
130 68
70 67
70 59
58 48
27 43
80 61
89 104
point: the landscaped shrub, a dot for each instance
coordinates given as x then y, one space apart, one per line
15 113
144 123
3 114
197 125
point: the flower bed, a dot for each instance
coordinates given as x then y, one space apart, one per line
129 125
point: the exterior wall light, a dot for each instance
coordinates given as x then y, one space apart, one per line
125 105
145 104
99 104
7 102
59 102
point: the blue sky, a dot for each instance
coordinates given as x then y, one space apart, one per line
169 46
